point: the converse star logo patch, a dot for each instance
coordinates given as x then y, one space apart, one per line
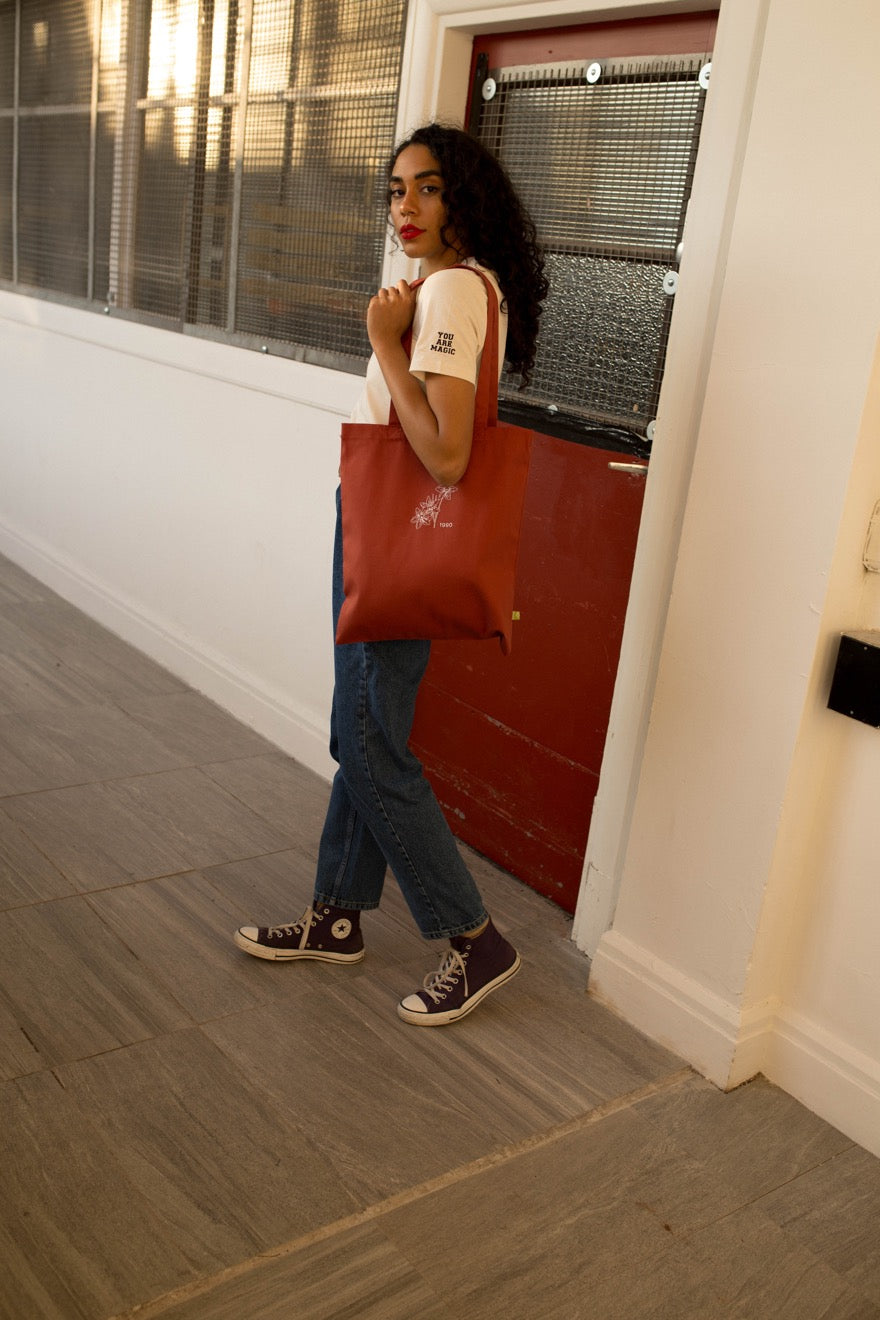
341 929
443 343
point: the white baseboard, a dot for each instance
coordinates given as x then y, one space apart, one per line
666 1005
729 1046
835 1081
292 728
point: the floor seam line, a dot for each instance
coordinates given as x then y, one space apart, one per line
409 1196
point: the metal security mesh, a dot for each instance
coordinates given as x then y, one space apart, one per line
321 109
7 53
211 163
603 156
50 144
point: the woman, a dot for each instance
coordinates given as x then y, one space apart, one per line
450 204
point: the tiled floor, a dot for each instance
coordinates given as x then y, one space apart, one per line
190 1133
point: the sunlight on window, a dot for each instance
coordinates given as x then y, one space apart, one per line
111 35
219 50
174 37
173 47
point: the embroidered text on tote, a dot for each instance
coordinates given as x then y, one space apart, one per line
428 511
443 343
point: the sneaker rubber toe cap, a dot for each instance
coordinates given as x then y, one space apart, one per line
414 1004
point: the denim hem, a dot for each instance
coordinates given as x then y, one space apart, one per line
456 930
347 906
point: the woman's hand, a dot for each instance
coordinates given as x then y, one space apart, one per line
389 314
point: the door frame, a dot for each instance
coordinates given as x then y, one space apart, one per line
434 84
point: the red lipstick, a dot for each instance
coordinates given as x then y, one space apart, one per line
410 231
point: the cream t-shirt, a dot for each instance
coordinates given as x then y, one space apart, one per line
449 330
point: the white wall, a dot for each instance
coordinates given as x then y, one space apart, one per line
182 492
745 933
815 958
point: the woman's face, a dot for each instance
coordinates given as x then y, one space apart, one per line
417 209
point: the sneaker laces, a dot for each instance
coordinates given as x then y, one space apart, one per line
436 984
304 925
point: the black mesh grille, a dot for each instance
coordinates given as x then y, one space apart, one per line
605 168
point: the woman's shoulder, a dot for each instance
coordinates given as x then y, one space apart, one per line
458 280
458 288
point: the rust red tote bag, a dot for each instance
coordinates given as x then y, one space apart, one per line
428 561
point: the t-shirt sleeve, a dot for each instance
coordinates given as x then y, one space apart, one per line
450 325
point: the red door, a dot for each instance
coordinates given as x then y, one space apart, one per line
513 746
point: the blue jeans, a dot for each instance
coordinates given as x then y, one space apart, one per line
383 812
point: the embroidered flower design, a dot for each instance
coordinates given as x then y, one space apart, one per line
428 511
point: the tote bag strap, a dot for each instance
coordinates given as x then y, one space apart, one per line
486 400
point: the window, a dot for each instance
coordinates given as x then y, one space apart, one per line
206 164
603 156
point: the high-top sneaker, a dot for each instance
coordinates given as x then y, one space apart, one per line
474 967
328 934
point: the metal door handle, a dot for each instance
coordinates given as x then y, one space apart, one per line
629 467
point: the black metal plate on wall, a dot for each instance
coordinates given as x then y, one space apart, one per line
855 687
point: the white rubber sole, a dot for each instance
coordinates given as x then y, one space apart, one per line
442 1018
290 955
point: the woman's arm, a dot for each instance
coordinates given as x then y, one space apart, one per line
438 421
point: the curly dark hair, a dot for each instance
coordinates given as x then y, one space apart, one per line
492 226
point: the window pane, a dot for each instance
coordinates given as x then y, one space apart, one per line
161 200
7 52
56 52
53 203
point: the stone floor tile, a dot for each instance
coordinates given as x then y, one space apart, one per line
34 682
25 1291
130 1174
26 875
744 1267
18 1053
180 929
749 1140
236 1173
268 889
834 1209
195 729
77 746
73 988
141 828
288 795
535 1235
83 1238
355 1273
385 1115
